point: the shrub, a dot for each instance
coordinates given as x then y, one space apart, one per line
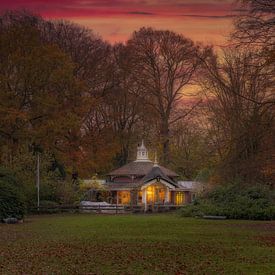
191 211
234 202
12 201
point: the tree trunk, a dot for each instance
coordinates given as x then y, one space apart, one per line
165 142
124 154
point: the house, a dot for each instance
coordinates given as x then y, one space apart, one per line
143 182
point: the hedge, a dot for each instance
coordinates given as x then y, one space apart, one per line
234 202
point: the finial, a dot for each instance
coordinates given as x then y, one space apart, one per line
156 159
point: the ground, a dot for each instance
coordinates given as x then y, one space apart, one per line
136 244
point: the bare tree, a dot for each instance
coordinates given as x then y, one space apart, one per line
242 124
190 146
255 25
87 50
124 108
163 64
255 32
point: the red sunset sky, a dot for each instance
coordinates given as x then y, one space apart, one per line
208 21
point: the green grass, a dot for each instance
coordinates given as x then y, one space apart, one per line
136 244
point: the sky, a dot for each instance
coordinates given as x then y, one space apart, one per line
207 21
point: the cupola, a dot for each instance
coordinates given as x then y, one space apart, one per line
142 153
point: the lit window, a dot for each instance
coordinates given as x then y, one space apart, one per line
123 197
140 196
179 198
155 193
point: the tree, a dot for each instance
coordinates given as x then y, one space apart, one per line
163 64
255 25
242 123
87 51
123 107
255 31
190 146
40 97
93 59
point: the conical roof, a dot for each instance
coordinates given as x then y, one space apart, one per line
155 173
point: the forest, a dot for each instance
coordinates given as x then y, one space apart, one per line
83 104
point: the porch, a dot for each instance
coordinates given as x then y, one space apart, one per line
152 194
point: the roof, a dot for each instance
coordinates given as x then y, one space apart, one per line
89 181
192 185
181 185
155 173
139 168
122 185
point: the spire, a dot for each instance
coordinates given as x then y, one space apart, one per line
156 160
142 153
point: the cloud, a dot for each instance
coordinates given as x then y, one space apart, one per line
115 20
140 13
209 16
240 10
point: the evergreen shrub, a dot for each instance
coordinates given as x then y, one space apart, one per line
235 202
12 200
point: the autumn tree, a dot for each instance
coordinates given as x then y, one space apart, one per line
92 66
40 97
164 63
87 51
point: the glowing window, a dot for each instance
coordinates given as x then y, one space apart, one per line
124 197
155 193
139 196
179 198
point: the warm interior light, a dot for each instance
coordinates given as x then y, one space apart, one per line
124 197
155 193
179 198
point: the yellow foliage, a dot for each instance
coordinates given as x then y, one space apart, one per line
94 184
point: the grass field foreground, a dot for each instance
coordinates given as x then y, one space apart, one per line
136 244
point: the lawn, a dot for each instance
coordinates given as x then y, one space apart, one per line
136 244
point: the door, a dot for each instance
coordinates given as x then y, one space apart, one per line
155 193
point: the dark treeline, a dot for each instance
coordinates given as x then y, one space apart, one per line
84 104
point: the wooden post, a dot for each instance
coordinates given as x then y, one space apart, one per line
117 197
166 195
38 180
145 200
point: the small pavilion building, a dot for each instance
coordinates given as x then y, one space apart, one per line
143 182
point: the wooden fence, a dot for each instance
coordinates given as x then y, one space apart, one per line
108 209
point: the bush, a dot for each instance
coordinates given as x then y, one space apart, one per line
12 201
191 211
234 202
